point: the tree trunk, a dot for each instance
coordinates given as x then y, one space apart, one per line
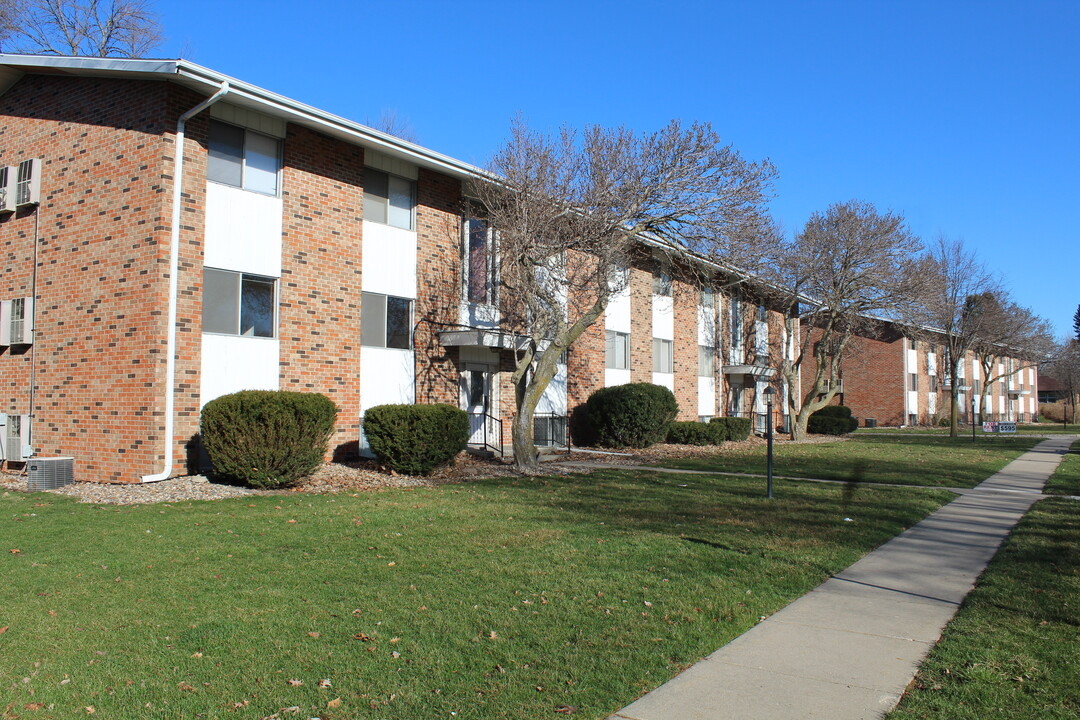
528 390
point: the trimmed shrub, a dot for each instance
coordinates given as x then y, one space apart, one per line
636 415
267 438
731 428
832 420
416 439
695 433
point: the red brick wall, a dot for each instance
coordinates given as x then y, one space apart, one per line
641 360
685 301
319 309
874 379
102 267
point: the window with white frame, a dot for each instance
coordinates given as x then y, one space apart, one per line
243 158
761 313
617 350
706 361
385 321
933 383
236 303
662 360
661 284
708 298
479 262
913 381
389 199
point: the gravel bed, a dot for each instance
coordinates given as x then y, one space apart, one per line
366 475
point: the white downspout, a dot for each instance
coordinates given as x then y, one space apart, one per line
174 264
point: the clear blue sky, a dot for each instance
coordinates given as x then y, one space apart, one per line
963 116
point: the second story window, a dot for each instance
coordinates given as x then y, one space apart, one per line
662 356
243 158
389 199
661 284
617 350
479 262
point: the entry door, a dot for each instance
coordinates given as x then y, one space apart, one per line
476 399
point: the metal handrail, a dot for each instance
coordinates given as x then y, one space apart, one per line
554 430
490 422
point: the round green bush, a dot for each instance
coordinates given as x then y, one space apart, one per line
267 438
832 420
416 439
636 415
695 433
734 429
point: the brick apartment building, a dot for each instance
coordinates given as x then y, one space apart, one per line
170 235
890 378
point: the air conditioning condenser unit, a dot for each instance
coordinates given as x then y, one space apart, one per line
49 473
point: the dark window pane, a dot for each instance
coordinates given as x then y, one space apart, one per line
398 323
401 202
226 161
376 191
373 320
478 261
257 308
221 299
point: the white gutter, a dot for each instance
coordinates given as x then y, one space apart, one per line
174 264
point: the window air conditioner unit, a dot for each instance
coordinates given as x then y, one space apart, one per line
17 438
7 189
49 473
28 183
21 327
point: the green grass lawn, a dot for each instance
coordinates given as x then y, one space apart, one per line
1012 652
965 430
1066 479
495 599
913 460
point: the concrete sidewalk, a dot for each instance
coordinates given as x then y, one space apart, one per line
849 648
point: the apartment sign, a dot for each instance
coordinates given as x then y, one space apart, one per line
999 427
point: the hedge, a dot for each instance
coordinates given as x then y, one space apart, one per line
832 420
267 438
635 415
731 428
416 439
695 433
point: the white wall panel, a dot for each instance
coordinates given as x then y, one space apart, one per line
554 398
389 258
664 379
617 315
386 377
243 231
231 363
663 317
616 377
706 396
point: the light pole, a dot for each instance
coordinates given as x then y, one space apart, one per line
769 392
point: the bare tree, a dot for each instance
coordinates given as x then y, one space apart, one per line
1010 336
391 123
119 28
571 212
1064 366
850 268
957 308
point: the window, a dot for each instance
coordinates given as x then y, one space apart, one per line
706 361
976 386
912 344
385 321
479 261
933 383
243 158
388 199
618 350
736 323
238 304
912 419
708 298
661 284
913 381
661 356
762 313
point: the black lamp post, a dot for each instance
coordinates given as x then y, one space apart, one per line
769 392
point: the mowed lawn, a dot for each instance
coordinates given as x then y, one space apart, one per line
912 460
1066 479
1013 650
495 599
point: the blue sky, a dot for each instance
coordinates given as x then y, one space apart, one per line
962 116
